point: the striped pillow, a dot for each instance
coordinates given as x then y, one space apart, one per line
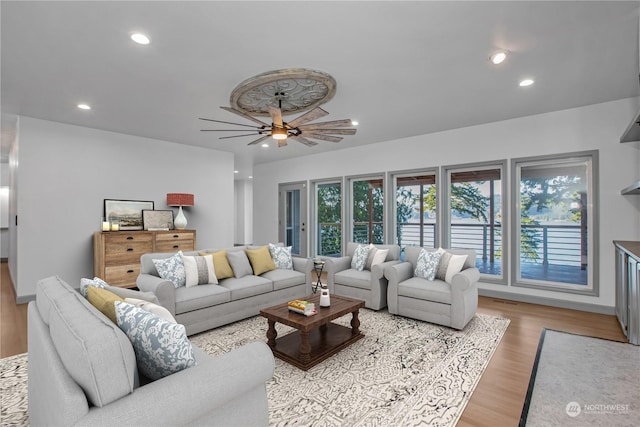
199 270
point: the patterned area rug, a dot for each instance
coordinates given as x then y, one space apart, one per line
403 372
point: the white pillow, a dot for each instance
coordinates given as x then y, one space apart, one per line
156 309
379 257
199 270
456 262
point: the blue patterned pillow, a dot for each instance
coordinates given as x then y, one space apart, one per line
281 256
95 282
161 347
172 269
427 264
360 257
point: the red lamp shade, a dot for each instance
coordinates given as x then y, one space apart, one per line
179 199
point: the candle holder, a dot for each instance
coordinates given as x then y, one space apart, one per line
105 225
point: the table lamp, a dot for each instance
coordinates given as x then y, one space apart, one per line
180 199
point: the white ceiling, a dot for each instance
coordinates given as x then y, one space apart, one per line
402 68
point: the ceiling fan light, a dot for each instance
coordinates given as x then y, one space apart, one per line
279 133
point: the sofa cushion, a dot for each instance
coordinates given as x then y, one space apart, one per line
220 263
260 260
281 256
428 290
104 301
359 259
247 286
189 299
156 309
86 283
283 278
199 270
162 348
172 269
354 278
443 264
239 263
94 351
427 264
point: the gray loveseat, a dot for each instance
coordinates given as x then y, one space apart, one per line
204 307
82 371
435 301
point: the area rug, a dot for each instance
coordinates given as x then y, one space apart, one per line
583 381
403 372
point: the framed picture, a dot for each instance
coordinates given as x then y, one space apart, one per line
157 220
127 212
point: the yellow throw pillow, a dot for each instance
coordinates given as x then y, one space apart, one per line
104 301
260 260
220 264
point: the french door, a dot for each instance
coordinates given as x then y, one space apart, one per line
292 217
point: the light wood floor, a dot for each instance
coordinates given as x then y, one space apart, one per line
498 398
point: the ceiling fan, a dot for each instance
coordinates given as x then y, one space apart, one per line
299 129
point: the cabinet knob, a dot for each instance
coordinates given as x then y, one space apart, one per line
129 249
176 246
129 237
129 271
175 236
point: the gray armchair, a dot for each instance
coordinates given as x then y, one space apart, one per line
367 285
436 301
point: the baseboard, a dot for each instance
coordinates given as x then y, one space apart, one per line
531 299
25 299
4 259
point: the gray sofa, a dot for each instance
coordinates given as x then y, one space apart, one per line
435 301
204 307
367 285
82 371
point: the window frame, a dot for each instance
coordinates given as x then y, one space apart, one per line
445 210
593 204
314 209
348 207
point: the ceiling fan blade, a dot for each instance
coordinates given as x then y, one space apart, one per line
323 137
238 136
331 131
276 116
304 140
314 114
331 124
229 130
230 123
259 140
246 116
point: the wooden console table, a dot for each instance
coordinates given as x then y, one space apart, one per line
116 254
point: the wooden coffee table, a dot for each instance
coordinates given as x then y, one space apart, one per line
316 338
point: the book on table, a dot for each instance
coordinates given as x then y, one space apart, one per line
303 307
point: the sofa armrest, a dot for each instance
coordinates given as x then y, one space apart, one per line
163 290
396 274
199 393
333 266
304 265
377 272
463 280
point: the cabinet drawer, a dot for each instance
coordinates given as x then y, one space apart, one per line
127 252
124 237
169 237
122 274
175 246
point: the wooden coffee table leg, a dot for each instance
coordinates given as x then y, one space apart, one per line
305 347
355 323
271 333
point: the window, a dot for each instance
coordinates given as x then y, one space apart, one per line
329 218
415 210
474 206
367 210
554 222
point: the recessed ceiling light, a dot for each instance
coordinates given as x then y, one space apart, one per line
235 171
140 38
265 145
354 122
526 82
250 177
498 57
84 106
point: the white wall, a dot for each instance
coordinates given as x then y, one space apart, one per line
243 230
4 210
65 172
594 127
